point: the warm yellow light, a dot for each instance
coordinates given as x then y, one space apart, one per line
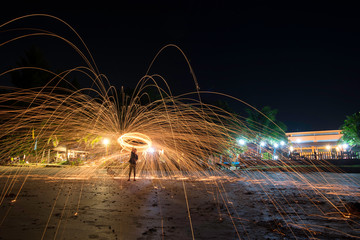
106 141
328 147
150 150
291 148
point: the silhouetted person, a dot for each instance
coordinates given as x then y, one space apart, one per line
132 161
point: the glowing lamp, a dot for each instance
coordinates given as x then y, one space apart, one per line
328 147
262 144
150 150
276 145
241 142
106 141
282 143
345 146
291 148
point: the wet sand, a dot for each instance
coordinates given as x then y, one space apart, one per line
60 204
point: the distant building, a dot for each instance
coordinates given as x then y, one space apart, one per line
320 141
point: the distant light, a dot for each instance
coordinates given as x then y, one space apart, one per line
345 146
106 141
328 147
241 141
150 150
282 143
298 140
276 157
276 145
262 144
291 148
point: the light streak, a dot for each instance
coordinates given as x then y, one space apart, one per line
188 210
134 140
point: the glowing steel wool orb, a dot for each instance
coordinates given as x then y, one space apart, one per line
134 140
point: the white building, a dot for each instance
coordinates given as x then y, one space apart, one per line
320 141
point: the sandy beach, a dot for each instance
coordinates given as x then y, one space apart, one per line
57 203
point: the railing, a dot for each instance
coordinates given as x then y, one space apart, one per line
300 155
325 155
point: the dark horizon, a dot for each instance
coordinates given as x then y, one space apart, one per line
300 59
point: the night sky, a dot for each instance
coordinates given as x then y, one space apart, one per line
302 59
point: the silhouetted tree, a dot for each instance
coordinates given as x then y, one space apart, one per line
29 78
223 105
30 74
266 127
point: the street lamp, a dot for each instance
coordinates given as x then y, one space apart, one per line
298 141
275 146
262 144
150 150
106 142
241 142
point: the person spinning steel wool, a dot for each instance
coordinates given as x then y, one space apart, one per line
132 161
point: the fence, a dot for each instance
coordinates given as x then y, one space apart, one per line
325 155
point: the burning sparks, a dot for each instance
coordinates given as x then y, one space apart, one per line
179 138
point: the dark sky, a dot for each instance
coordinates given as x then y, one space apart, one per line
302 59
